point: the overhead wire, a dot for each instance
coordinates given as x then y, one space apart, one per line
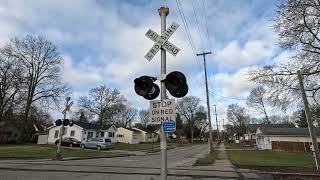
206 21
187 29
186 26
197 24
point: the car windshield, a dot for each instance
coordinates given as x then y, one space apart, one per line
107 140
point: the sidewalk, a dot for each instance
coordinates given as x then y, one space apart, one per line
223 163
224 167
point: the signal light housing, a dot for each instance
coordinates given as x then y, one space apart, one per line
65 122
176 84
58 122
145 87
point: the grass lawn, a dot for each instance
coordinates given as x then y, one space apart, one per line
34 151
270 158
206 160
145 146
236 146
135 147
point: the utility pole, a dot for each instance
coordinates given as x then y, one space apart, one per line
215 111
67 106
224 131
163 12
208 102
309 121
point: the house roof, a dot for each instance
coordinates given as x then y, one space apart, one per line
288 131
92 126
138 129
135 130
252 128
132 129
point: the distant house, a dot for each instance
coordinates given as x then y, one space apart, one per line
237 137
285 139
250 135
83 131
153 136
131 135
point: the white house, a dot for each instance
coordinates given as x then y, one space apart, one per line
83 131
237 137
143 135
131 136
285 139
153 136
250 135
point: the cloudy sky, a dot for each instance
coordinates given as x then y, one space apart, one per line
103 42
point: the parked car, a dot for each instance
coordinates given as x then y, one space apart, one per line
71 142
98 143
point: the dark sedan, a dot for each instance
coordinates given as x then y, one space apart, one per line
71 142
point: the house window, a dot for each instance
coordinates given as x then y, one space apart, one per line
56 134
90 135
102 134
72 133
111 134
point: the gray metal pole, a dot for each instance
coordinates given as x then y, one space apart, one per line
163 12
309 121
208 101
215 111
59 155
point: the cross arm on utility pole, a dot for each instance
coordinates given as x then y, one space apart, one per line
204 53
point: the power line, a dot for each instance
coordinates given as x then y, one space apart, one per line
185 23
205 17
197 24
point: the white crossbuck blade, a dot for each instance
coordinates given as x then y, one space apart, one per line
162 41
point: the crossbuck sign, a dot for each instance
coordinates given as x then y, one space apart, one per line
162 42
161 111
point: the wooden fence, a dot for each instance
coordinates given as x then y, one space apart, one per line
291 146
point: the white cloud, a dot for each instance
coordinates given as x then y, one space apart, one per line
235 85
80 74
234 55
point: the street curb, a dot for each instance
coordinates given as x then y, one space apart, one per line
94 157
282 173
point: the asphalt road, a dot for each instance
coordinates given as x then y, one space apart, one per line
144 167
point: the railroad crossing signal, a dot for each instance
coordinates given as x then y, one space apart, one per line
175 82
145 87
162 42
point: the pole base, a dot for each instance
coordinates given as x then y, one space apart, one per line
58 157
213 152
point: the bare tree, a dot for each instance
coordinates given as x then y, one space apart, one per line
41 63
188 107
10 81
297 25
144 117
256 100
102 102
238 116
125 116
201 121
